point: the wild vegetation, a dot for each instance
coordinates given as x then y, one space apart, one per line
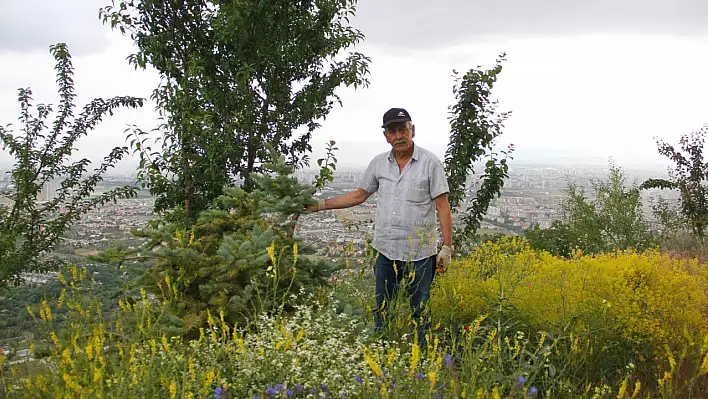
231 305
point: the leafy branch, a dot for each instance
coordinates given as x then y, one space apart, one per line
475 125
33 226
688 177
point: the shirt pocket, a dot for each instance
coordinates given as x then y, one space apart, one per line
386 186
419 194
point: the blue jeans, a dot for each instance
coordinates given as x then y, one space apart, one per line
388 282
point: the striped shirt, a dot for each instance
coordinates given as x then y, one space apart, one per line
405 227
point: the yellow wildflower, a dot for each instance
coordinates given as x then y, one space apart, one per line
61 278
60 301
55 339
415 357
97 374
372 364
89 349
271 253
622 390
384 391
165 345
294 254
432 375
208 378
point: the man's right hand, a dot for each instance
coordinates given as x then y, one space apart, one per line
347 200
443 259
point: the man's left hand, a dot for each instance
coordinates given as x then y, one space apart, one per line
443 258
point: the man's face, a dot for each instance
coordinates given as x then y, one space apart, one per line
399 136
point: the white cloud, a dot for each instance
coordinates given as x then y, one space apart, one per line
34 25
405 25
605 96
102 74
601 95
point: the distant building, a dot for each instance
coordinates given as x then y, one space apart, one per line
49 191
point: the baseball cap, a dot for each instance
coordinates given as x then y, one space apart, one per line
395 115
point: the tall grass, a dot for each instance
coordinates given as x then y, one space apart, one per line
493 336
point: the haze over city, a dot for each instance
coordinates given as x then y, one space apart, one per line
586 81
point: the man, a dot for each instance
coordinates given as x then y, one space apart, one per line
412 185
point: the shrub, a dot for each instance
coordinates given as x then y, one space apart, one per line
609 219
318 351
33 225
239 257
624 307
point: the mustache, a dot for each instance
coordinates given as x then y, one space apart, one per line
400 141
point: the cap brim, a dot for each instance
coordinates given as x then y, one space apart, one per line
395 121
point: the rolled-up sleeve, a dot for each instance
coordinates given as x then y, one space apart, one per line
369 182
438 179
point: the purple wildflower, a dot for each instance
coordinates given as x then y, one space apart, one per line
420 375
533 390
289 392
358 379
271 391
279 387
448 359
217 392
521 380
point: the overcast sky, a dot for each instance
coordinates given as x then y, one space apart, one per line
583 78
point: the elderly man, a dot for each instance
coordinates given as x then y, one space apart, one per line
411 186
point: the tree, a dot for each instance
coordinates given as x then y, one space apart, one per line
236 77
610 220
688 177
559 239
32 228
239 257
475 125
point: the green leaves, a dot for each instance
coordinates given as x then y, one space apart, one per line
612 220
689 178
240 256
236 77
327 165
31 226
475 125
